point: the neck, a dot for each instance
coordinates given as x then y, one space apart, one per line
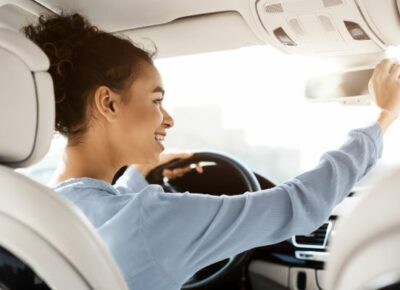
93 157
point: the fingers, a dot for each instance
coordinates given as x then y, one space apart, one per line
175 173
385 66
182 155
199 168
179 172
395 72
387 69
385 86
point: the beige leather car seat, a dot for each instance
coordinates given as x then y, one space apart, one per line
365 250
36 224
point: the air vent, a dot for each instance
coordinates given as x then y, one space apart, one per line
316 240
274 8
330 3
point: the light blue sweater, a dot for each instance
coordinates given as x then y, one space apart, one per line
160 239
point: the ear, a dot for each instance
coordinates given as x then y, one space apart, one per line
106 102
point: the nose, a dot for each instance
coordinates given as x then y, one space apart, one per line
168 121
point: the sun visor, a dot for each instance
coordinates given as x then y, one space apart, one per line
196 34
331 27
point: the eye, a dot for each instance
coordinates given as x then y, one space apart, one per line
158 101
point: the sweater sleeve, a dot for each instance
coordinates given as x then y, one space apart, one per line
186 232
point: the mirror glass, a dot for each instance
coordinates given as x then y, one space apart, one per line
340 86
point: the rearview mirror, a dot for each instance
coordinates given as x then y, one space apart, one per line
350 87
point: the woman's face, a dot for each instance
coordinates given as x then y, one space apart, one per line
142 122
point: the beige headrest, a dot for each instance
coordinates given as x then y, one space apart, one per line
27 109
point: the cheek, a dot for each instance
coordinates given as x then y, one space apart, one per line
151 116
142 120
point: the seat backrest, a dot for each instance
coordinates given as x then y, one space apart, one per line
365 250
37 225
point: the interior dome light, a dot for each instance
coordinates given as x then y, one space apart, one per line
356 31
283 37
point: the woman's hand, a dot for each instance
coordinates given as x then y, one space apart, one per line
165 158
385 86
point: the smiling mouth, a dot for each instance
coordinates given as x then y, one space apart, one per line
160 138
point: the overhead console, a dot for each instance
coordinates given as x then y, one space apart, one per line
330 27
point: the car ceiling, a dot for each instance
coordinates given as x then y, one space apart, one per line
179 27
120 15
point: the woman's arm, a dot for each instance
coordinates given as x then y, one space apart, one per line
186 232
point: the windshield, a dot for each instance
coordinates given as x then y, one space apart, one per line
250 103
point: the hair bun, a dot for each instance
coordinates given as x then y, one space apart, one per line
60 28
59 37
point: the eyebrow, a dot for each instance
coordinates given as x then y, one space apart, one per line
159 90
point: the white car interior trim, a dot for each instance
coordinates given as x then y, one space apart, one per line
24 60
27 115
22 129
374 245
321 280
383 18
57 270
316 26
45 113
34 58
117 15
317 29
288 276
198 34
311 255
371 263
307 275
277 273
384 280
62 225
15 14
369 22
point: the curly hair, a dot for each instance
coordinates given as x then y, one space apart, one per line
82 58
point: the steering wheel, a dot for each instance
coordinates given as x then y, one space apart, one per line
209 274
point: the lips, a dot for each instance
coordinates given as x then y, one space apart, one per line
160 137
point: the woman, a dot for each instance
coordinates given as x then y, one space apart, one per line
109 105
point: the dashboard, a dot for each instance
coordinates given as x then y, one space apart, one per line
298 263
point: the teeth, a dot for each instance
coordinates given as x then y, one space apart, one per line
159 137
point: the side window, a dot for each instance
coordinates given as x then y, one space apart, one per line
44 169
16 274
